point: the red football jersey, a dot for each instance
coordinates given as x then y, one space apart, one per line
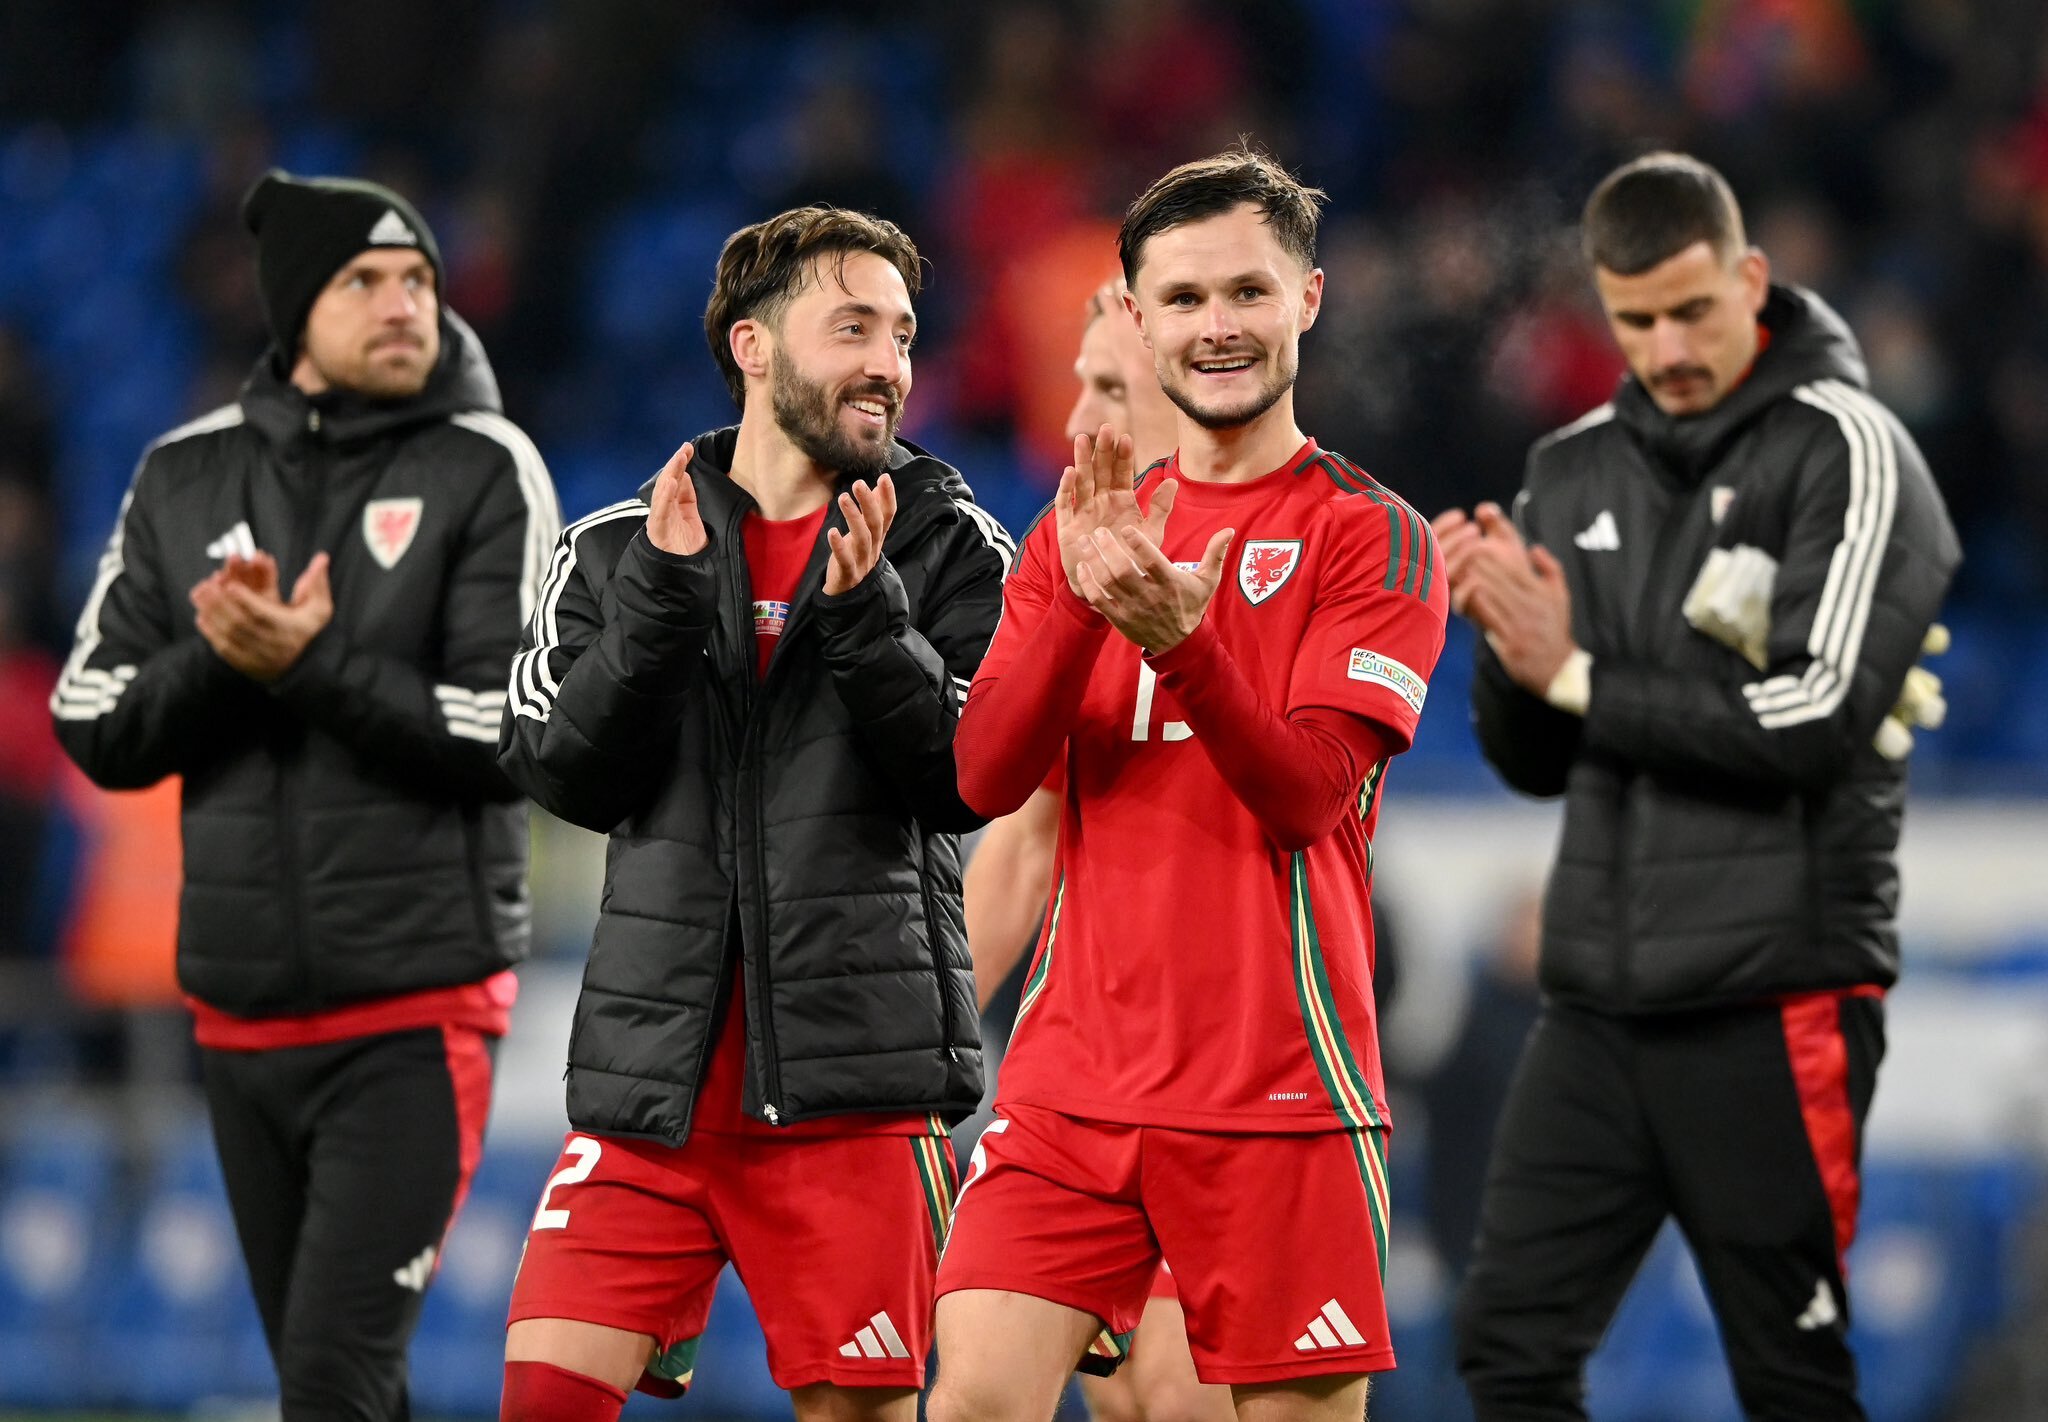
1192 973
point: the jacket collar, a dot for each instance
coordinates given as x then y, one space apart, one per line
919 478
462 380
1809 341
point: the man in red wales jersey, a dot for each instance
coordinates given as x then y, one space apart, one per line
1224 652
1009 879
750 675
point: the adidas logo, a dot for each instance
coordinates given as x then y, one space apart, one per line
878 1340
1332 1328
1821 1313
1599 536
238 541
416 1275
391 231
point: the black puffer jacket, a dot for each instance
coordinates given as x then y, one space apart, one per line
802 829
348 834
1729 834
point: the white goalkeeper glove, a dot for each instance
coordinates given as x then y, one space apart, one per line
1730 600
1920 702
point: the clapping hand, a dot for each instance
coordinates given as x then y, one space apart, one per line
868 513
253 630
1098 493
1126 577
674 524
1514 591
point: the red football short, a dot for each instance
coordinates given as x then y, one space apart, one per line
1277 1241
837 1239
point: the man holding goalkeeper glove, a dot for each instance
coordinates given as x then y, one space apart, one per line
1700 628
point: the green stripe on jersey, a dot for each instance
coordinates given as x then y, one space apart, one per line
1335 1062
935 1175
1035 984
1411 551
1420 571
1369 1149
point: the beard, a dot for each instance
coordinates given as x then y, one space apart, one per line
809 414
1278 383
372 373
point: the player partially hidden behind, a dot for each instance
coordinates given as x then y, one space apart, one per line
1224 654
750 676
1009 879
1709 598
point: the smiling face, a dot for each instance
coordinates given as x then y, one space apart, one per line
375 328
1223 305
1687 326
838 361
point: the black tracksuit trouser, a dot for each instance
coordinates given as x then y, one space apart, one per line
1743 1124
345 1163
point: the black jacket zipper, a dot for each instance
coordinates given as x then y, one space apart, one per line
288 766
770 1073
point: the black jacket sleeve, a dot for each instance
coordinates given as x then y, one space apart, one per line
1530 742
599 685
1867 559
437 731
137 701
904 684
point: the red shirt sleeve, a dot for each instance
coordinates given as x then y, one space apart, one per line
1358 684
1378 627
1030 685
1298 775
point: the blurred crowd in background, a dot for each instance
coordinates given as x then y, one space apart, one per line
583 160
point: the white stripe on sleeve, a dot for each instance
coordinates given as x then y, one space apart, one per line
992 532
543 514
86 693
532 687
1843 614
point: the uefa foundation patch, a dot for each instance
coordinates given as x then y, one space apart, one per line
1385 671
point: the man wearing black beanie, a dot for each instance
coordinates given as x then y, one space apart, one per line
355 863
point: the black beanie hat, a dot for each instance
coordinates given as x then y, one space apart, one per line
307 229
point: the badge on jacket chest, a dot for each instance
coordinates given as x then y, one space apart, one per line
1265 566
389 526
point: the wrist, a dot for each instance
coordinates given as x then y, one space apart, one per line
1571 689
1184 651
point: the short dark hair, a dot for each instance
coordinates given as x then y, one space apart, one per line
1652 208
762 266
1210 186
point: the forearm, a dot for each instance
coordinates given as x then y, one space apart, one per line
1701 725
438 739
1014 724
1299 774
131 725
899 693
1530 742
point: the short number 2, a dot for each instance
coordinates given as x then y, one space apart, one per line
586 1152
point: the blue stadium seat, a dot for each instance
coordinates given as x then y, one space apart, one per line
58 1219
650 274
177 1321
